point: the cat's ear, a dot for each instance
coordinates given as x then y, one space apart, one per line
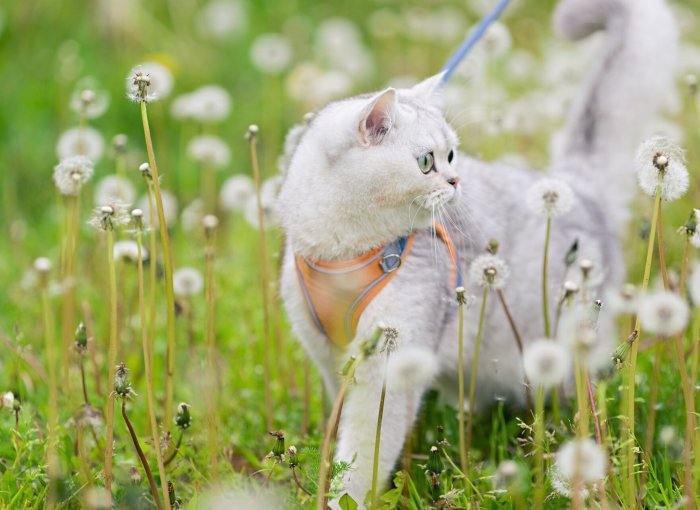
429 90
378 117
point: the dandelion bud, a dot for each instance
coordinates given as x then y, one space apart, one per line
620 355
435 465
145 170
252 132
278 447
292 458
81 338
571 255
586 267
345 371
369 346
119 143
492 247
122 386
137 216
183 418
16 406
111 216
461 299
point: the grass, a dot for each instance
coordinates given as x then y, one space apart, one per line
45 48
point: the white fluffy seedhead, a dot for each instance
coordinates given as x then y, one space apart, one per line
377 167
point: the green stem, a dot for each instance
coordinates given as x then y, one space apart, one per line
211 354
264 279
475 366
168 263
630 450
545 259
148 372
51 440
152 268
331 430
690 443
378 437
460 376
111 360
539 449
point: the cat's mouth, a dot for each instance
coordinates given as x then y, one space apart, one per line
439 197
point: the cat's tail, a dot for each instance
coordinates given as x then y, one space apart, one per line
630 79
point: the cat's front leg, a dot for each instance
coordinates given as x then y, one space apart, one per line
356 435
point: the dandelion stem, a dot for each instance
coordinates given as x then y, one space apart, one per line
378 437
630 455
81 363
545 259
89 326
212 379
111 360
176 449
518 341
460 376
152 268
539 449
68 277
148 372
296 480
168 263
691 443
51 440
325 470
144 462
475 367
253 140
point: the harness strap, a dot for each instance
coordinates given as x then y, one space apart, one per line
337 292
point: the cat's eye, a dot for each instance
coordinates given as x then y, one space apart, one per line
425 162
451 156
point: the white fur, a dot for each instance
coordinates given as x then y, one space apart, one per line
353 184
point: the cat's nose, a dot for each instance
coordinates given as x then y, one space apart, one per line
454 181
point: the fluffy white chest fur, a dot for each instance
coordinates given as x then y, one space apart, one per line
373 168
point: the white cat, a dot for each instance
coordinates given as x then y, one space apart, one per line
375 168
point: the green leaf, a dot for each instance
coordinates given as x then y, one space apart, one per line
347 503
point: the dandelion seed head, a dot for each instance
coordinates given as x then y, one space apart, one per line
192 215
127 251
209 150
546 363
114 187
110 216
411 367
660 156
271 53
8 400
507 475
71 173
210 222
42 265
170 209
222 20
623 300
88 100
667 435
663 313
269 210
119 143
187 282
80 141
550 197
583 457
149 82
490 271
207 104
577 329
235 192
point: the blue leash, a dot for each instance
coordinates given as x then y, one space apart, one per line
471 40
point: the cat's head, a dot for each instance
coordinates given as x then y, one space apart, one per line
370 168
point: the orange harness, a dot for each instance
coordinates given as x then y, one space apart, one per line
337 293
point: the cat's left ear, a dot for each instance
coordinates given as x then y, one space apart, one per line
378 117
429 90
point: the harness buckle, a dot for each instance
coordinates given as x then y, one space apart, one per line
390 262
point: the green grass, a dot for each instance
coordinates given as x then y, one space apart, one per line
45 48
